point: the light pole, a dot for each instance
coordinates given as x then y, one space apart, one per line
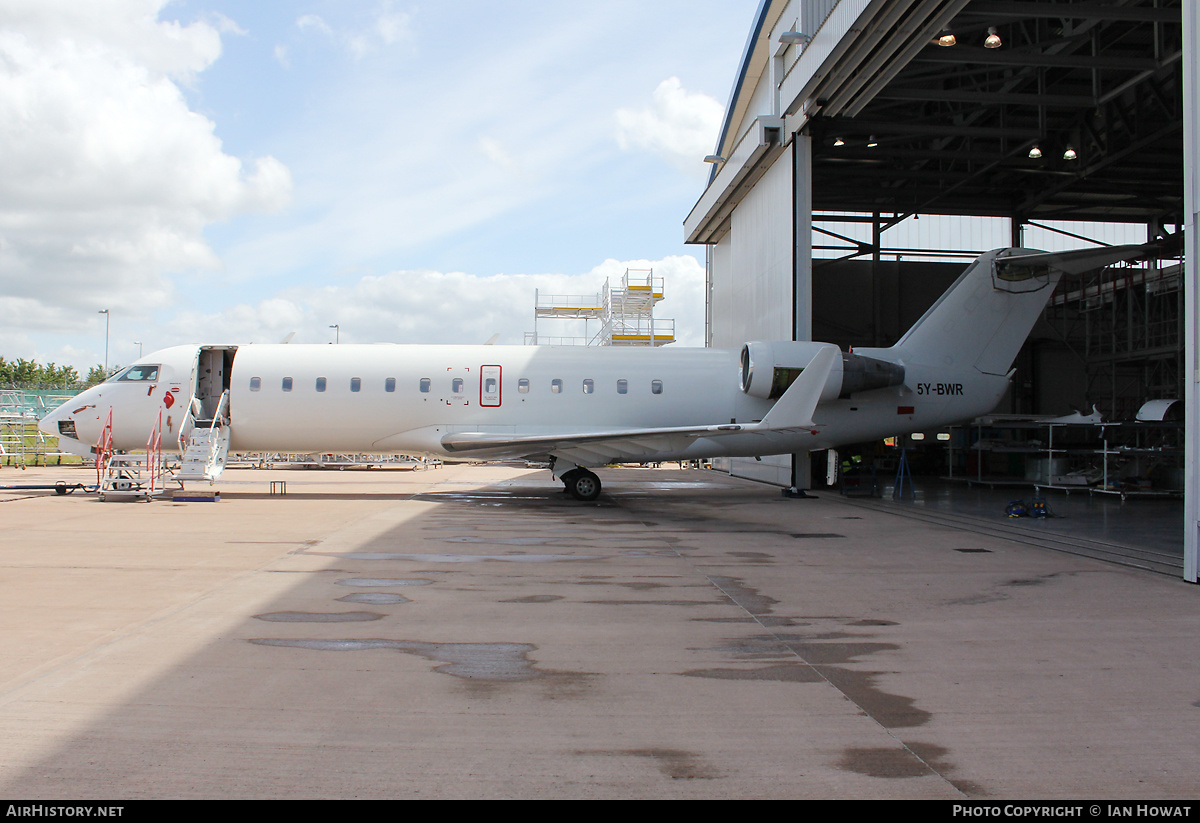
337 333
106 320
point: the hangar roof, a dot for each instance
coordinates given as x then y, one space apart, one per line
953 127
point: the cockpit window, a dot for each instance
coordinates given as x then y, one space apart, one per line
140 373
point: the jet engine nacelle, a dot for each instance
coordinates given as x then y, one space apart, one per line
768 367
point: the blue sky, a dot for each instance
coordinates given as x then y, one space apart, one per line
224 171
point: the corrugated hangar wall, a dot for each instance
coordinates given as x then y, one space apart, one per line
754 290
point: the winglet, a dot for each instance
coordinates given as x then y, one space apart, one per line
794 410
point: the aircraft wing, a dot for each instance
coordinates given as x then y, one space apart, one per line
792 412
555 443
592 448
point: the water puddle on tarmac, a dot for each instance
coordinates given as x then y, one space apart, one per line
676 764
459 558
483 661
318 617
382 582
829 650
374 598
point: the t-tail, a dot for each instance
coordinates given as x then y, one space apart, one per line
980 323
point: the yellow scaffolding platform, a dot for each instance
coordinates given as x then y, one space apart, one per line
625 312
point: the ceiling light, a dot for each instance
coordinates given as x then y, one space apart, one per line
872 142
839 142
1035 153
993 39
946 39
1070 154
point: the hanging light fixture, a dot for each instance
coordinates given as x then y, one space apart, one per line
839 142
872 142
946 39
1035 153
993 39
1070 154
795 38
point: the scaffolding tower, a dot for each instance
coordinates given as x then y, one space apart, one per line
21 442
625 314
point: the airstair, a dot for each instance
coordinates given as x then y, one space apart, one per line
204 444
625 313
129 476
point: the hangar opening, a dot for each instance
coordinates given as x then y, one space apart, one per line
872 148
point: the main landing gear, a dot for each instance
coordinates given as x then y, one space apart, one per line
582 484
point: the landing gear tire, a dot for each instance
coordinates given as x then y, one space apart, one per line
582 484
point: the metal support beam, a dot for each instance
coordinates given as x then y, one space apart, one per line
802 268
1191 177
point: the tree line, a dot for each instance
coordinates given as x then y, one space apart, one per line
29 374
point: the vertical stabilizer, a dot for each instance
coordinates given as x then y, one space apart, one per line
983 319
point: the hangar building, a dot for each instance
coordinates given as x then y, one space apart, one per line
870 148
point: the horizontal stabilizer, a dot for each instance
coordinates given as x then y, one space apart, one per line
1072 262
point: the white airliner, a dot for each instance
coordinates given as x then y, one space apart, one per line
579 407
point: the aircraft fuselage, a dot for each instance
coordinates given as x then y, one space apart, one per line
407 399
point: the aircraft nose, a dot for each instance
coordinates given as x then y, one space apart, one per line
62 423
49 423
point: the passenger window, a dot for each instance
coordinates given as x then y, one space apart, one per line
389 384
556 386
489 385
622 387
355 384
656 387
523 385
320 384
589 386
255 383
456 385
425 384
287 384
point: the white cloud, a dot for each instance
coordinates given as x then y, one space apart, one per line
112 29
107 179
392 27
439 307
385 28
228 26
494 151
114 194
679 125
315 22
